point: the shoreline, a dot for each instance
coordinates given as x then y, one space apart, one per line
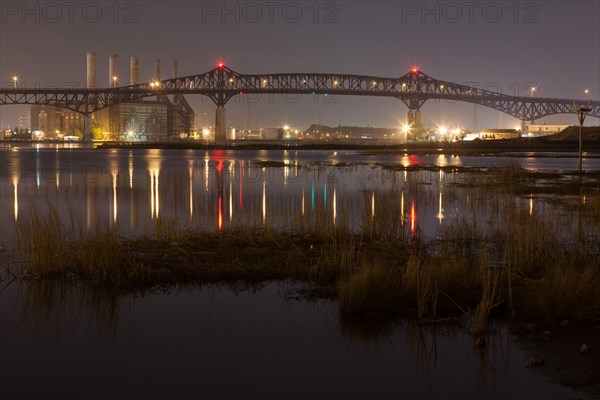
475 147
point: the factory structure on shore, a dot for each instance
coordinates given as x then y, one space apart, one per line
159 118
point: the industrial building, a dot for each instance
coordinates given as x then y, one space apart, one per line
160 118
544 129
497 134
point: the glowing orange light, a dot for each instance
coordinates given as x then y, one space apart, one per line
220 213
241 188
413 218
219 169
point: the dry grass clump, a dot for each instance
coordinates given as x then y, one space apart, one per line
373 290
518 262
563 291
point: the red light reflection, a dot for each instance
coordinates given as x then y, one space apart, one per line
413 218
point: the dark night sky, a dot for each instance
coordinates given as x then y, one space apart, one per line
555 44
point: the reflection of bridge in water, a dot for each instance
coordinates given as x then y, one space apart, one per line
222 84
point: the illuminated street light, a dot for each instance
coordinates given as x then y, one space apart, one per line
532 91
15 80
443 130
406 130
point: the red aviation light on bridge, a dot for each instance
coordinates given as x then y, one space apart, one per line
220 64
414 69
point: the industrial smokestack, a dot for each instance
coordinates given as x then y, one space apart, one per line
91 70
175 70
112 71
134 71
157 69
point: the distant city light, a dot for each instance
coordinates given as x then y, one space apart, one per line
406 128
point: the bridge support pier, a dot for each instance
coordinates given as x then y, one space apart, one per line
414 117
87 128
220 125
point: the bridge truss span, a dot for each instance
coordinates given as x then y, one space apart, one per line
221 84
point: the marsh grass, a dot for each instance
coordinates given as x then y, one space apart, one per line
373 290
515 263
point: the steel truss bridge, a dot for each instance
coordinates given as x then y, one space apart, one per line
222 84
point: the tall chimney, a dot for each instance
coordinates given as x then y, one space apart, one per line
175 70
91 70
112 70
134 71
157 69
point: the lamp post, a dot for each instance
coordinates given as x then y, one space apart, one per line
581 114
15 80
406 131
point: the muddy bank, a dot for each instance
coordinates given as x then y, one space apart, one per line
567 353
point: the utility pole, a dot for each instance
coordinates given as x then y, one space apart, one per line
581 114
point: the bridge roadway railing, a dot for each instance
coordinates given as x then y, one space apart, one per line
221 84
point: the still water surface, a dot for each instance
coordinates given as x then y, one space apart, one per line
128 190
215 343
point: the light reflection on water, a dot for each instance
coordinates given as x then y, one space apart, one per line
212 189
206 337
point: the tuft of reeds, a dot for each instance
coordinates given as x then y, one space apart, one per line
373 290
514 262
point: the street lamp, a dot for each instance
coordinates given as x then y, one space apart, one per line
406 131
581 114
532 91
15 80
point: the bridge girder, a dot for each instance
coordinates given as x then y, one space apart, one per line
222 84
